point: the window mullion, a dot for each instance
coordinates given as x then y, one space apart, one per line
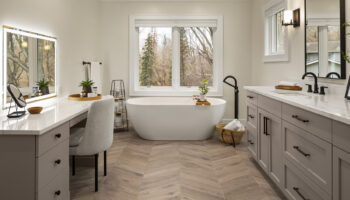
176 58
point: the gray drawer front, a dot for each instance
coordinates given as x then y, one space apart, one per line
52 163
58 189
297 185
251 98
315 124
252 116
270 105
310 154
77 119
48 140
252 141
341 136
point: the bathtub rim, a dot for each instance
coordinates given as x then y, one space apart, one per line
130 103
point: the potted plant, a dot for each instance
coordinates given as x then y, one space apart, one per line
43 87
87 86
204 89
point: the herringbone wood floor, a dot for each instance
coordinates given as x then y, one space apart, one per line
188 170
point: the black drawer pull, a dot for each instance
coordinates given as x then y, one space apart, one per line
265 126
58 193
299 119
58 135
299 193
251 116
250 142
58 161
300 151
250 97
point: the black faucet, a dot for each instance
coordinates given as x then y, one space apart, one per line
235 86
315 79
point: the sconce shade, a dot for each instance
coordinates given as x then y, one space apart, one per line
291 18
287 17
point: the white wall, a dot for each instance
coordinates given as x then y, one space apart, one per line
237 38
73 22
271 73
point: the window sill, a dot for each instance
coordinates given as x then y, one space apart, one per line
169 92
276 58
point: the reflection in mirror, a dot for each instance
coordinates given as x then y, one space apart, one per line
29 64
323 36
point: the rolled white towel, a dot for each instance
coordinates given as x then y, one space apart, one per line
234 125
286 83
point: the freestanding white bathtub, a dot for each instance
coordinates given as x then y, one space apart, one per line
174 118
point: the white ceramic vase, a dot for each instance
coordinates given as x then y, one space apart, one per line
202 97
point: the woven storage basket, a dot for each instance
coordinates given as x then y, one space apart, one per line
225 135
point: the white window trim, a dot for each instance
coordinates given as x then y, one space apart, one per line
4 71
175 90
270 9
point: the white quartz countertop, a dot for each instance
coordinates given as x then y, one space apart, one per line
333 107
56 111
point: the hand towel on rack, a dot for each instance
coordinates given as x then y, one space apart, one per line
96 75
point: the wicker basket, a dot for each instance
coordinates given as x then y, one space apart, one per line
225 135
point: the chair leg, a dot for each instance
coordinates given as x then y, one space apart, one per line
96 172
73 165
105 163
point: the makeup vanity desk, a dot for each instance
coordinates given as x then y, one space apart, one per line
34 151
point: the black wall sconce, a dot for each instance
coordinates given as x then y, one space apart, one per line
291 18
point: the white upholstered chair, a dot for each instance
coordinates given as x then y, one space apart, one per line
96 137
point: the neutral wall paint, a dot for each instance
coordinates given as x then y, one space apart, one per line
73 22
271 73
237 38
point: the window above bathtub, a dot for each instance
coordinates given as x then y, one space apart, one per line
275 34
172 55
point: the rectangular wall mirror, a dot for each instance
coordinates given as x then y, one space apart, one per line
29 64
325 38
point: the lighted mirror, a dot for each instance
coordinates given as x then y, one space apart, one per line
325 38
29 64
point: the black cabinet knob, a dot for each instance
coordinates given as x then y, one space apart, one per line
58 161
58 135
58 193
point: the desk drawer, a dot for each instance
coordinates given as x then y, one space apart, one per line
298 187
58 189
52 163
77 119
315 124
310 154
251 98
252 115
341 136
51 138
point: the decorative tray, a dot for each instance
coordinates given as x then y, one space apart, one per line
76 97
283 87
203 103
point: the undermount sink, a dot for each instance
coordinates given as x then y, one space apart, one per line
290 92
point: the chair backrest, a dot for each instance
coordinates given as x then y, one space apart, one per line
98 135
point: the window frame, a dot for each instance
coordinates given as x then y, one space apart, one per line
269 10
175 89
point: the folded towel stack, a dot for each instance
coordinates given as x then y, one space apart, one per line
234 125
286 83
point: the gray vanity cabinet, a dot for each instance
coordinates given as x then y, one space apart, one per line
341 174
35 167
270 145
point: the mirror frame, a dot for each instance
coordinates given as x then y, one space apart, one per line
9 29
342 39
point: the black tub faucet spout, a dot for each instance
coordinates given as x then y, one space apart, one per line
235 86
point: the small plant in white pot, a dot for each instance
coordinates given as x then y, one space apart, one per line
204 89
